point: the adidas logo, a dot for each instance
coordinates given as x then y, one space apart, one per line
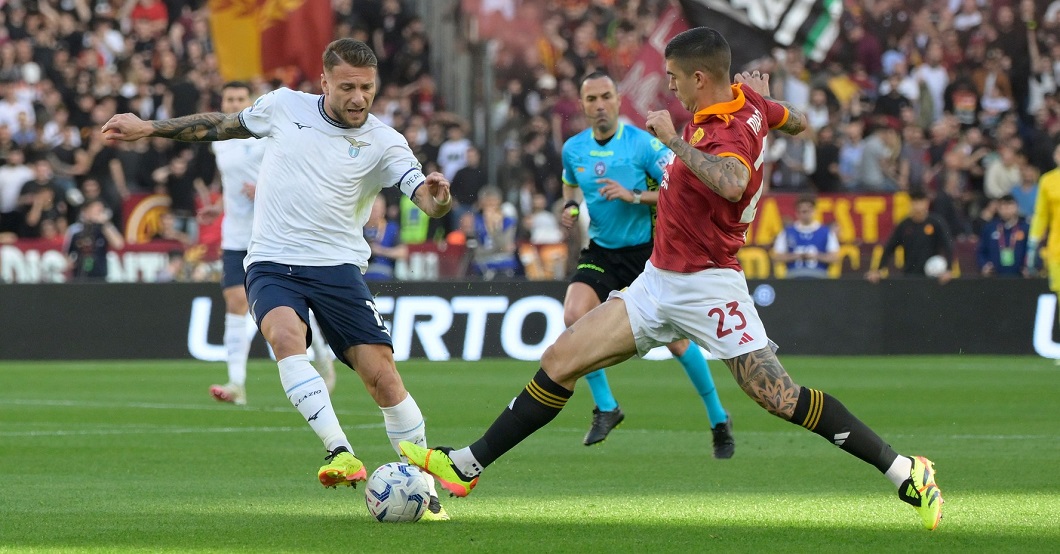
746 338
840 438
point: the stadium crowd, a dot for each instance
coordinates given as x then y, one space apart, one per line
954 98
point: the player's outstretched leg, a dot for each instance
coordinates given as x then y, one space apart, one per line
602 338
607 415
691 358
457 470
761 376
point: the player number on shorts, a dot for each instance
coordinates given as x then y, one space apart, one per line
734 311
378 318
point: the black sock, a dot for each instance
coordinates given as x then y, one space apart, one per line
539 403
827 417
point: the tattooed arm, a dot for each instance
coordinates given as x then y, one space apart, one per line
796 122
725 175
203 127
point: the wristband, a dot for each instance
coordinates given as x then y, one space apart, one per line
574 207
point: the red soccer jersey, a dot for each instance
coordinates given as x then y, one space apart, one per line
698 229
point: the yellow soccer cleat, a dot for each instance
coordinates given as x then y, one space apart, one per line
435 511
343 470
921 492
436 462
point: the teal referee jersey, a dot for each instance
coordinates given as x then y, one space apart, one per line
634 159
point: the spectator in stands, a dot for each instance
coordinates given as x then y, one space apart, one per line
169 231
466 184
183 189
796 160
1027 192
384 238
921 235
851 151
951 204
877 170
89 240
42 199
806 247
819 114
1003 173
826 177
14 173
494 251
1002 248
452 154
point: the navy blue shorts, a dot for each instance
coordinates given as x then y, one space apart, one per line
232 272
337 295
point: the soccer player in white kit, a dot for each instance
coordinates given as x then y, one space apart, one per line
326 158
238 162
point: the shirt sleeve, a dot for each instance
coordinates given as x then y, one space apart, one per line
568 177
401 168
258 117
658 156
776 114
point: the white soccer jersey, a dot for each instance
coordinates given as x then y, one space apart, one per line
238 162
318 180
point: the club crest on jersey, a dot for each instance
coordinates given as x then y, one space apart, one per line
355 146
697 136
600 168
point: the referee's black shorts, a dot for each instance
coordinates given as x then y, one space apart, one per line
608 269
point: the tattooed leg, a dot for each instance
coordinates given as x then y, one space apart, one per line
761 376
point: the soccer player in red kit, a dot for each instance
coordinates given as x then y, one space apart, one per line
693 286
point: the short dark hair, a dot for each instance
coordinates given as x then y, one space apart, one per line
598 74
350 51
1007 198
236 84
701 49
917 194
807 199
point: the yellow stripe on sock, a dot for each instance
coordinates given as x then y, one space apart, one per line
545 397
813 415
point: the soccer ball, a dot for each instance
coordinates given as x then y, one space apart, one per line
397 493
935 266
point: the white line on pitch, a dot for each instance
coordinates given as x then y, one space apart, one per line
164 431
159 406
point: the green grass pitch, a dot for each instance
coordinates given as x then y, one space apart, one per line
135 457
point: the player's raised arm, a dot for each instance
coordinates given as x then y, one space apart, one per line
725 175
202 127
790 120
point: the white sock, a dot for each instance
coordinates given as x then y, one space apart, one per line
465 461
899 471
237 345
306 391
404 422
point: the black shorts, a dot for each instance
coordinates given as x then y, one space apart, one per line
608 269
337 295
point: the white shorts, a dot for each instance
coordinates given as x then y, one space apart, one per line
712 308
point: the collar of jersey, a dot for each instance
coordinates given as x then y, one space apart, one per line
328 118
616 136
723 110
